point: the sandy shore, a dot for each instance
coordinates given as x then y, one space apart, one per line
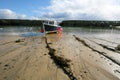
56 58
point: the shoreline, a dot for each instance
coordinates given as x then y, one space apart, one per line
56 58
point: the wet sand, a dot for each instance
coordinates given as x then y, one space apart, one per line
56 58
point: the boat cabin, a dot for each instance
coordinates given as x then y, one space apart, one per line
49 22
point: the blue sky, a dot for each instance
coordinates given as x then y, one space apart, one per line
60 9
23 6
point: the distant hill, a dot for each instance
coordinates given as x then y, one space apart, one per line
65 23
17 22
88 23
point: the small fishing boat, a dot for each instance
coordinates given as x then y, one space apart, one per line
51 27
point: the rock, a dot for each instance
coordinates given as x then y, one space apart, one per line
118 47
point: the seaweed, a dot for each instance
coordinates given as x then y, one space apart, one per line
60 62
19 40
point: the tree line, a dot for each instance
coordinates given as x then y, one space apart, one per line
65 23
17 22
88 23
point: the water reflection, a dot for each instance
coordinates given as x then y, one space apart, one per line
60 34
109 34
54 37
20 31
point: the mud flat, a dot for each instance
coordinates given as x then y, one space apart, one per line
55 58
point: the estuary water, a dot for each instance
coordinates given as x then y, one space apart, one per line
106 36
109 34
24 31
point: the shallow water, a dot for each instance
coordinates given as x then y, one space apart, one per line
108 37
109 34
24 31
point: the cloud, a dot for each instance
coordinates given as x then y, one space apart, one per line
71 9
9 14
83 9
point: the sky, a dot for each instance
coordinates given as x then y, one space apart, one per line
60 9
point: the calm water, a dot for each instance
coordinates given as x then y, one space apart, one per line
109 37
94 32
20 31
108 34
